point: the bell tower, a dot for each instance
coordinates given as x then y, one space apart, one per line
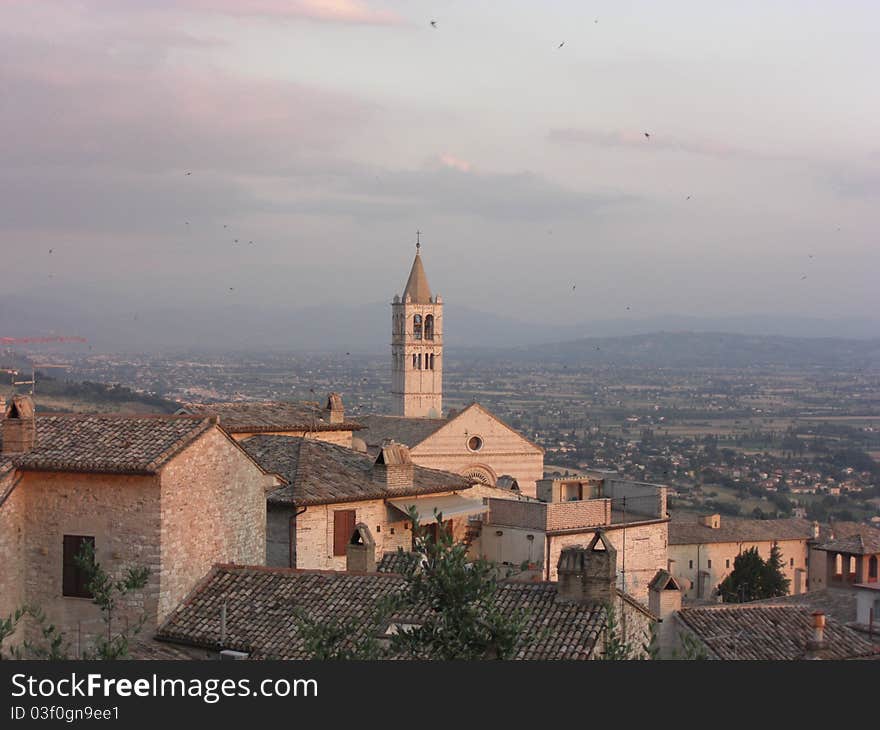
417 347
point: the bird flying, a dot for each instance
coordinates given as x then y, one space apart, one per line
647 136
433 23
561 44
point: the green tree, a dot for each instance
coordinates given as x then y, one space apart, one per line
106 594
753 578
448 608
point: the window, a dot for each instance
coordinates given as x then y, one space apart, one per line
74 580
343 529
709 564
420 361
432 361
429 327
691 564
727 565
475 443
417 326
415 361
872 569
791 562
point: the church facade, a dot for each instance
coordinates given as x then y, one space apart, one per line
473 442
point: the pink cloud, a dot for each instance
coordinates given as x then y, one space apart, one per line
455 163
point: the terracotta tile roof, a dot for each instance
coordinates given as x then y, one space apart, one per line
408 431
866 542
751 631
260 620
396 562
129 444
317 472
254 417
737 529
837 603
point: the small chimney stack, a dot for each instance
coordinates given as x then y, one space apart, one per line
393 466
713 522
814 530
335 409
588 575
817 642
360 553
19 426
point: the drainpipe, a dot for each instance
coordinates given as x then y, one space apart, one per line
547 559
291 537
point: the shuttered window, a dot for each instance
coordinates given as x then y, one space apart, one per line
343 528
74 579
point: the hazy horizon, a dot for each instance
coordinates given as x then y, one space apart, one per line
327 132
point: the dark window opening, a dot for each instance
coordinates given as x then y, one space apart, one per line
417 327
429 327
74 580
872 567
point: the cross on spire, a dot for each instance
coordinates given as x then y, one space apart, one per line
418 242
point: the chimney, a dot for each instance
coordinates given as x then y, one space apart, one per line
588 575
814 530
393 466
817 643
19 426
664 595
335 409
360 553
711 521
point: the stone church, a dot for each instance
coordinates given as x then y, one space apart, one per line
473 442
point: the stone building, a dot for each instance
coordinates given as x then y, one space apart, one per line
564 621
243 419
172 493
473 442
330 489
417 348
572 511
702 549
844 555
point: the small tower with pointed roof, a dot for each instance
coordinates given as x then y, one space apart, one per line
417 347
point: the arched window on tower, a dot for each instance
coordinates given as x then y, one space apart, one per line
432 361
415 361
429 327
420 361
417 326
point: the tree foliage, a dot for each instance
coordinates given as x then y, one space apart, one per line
753 578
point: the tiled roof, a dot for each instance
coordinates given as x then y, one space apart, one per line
260 605
253 417
737 529
860 544
396 562
116 444
752 631
837 603
408 431
317 472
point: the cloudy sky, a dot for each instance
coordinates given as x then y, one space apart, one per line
141 138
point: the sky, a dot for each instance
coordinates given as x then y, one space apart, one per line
139 140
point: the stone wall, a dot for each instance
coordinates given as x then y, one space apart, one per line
213 511
641 552
503 451
121 512
690 560
12 543
584 513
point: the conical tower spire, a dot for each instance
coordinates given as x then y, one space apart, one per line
417 285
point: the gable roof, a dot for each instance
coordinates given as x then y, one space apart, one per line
413 431
748 631
261 417
737 529
318 472
116 444
408 431
417 284
261 602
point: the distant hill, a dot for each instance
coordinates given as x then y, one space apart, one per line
363 328
698 349
66 396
